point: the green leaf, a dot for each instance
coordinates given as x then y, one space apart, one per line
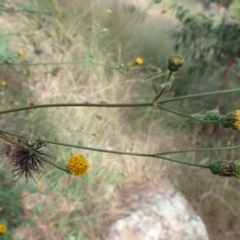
90 60
98 117
155 88
30 223
29 8
6 54
28 73
3 44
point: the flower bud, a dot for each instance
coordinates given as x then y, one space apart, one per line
226 168
213 114
175 62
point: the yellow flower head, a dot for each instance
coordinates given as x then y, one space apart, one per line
3 229
235 120
231 120
21 53
100 96
138 61
96 134
3 83
77 165
59 11
165 10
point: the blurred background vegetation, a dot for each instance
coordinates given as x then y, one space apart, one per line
58 206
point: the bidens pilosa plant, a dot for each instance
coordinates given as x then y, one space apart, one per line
28 155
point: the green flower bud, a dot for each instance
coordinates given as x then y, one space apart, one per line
213 114
226 168
175 62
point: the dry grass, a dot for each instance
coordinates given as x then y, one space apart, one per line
64 207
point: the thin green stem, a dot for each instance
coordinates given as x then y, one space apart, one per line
199 150
105 65
229 91
183 162
3 137
114 152
146 104
45 63
127 153
163 90
184 114
77 105
155 76
100 150
159 95
51 163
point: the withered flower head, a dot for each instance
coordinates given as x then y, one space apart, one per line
24 154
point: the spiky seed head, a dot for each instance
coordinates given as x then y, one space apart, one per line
24 156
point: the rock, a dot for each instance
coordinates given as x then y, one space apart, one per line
164 215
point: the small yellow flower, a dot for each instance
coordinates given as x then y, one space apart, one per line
96 134
59 11
1 209
3 83
109 11
165 10
16 103
77 165
229 143
100 96
138 61
3 229
231 120
236 125
21 53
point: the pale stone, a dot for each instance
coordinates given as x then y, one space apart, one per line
164 215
